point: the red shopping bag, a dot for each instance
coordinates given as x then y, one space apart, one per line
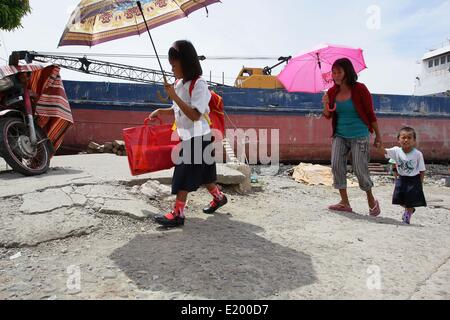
149 148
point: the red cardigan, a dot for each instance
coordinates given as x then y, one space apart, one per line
362 100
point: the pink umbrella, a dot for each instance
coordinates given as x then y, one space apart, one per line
311 71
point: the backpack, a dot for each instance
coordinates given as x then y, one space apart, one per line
216 115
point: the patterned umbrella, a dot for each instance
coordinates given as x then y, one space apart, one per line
97 21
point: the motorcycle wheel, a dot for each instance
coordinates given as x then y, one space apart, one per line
16 149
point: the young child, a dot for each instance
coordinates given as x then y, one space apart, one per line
189 108
411 172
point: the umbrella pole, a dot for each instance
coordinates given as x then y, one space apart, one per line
320 67
151 39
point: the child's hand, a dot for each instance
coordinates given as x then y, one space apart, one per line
154 114
378 143
170 91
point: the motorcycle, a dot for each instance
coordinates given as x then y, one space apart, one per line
31 126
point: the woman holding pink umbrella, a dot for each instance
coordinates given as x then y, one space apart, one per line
349 105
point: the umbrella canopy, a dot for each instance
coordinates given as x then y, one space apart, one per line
97 21
311 71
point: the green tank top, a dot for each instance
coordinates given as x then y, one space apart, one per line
349 123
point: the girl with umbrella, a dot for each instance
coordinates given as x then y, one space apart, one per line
191 97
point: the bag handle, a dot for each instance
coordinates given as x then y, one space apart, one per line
191 88
147 120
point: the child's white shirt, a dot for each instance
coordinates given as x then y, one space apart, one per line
410 164
199 100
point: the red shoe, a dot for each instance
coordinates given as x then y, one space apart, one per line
214 205
170 220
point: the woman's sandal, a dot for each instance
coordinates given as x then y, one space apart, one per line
375 211
340 207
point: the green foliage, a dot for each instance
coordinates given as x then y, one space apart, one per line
12 12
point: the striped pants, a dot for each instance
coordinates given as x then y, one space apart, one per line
360 149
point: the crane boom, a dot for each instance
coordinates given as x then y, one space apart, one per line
102 68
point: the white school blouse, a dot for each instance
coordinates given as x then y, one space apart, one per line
186 128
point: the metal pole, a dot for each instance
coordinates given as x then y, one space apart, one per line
151 39
223 78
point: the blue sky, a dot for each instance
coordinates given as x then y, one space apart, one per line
407 29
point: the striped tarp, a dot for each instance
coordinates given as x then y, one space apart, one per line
6 71
52 105
50 101
51 96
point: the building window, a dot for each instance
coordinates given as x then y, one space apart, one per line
443 60
430 63
448 59
436 62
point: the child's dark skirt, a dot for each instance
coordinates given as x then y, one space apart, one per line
409 192
196 167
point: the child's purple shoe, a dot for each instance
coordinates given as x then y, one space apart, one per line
407 217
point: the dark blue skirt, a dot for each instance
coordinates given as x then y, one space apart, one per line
196 167
409 192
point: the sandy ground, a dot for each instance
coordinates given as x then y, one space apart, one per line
278 243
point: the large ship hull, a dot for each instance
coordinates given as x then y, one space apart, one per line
102 110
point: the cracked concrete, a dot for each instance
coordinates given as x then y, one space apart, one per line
78 199
46 201
154 190
279 243
137 209
436 285
30 230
